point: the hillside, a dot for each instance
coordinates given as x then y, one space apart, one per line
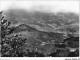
48 22
39 34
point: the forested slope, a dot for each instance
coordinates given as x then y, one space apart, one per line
38 35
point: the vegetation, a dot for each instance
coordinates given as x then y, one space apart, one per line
26 41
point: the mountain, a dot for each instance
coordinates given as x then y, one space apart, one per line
40 39
34 32
40 32
42 21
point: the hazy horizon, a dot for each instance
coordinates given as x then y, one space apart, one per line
44 6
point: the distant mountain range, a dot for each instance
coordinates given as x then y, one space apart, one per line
49 22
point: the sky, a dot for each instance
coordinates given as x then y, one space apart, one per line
48 6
